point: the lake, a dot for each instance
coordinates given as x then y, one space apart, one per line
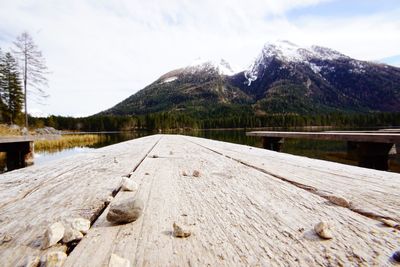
326 150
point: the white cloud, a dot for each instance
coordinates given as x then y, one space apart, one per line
101 52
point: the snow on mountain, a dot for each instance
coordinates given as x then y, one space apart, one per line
221 66
290 53
315 68
287 51
169 79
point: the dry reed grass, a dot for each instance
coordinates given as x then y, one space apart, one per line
68 141
5 130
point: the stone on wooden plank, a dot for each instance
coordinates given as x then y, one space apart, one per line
128 185
71 234
53 234
323 229
109 199
80 224
117 261
179 232
340 201
125 210
54 259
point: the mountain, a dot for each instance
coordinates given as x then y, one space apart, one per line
288 78
201 89
284 78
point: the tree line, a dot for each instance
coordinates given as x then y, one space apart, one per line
178 121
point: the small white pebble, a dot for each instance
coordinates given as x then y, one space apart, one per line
323 229
80 224
71 234
53 234
128 184
179 232
54 259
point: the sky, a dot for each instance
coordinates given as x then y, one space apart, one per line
100 52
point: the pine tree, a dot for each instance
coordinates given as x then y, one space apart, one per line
11 89
2 90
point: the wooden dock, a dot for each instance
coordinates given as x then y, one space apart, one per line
19 151
369 149
246 207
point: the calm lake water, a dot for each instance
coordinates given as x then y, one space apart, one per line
326 150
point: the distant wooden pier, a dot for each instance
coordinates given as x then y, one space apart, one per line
244 206
19 151
370 149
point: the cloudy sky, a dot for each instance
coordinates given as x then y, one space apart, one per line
101 51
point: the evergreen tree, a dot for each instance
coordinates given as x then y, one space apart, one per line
11 89
2 106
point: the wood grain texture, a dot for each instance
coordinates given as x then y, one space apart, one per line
78 186
16 139
372 192
238 216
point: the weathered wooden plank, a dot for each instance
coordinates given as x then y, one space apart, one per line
16 139
372 192
78 186
384 137
238 215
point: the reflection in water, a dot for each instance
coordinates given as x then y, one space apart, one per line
326 150
45 156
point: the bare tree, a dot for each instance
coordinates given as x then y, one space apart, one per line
33 68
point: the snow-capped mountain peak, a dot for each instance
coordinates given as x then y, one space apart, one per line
221 66
282 49
289 52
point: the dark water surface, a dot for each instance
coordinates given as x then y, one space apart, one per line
326 150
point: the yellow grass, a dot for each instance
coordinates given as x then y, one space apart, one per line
6 131
68 141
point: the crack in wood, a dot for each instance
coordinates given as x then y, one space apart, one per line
100 211
313 190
